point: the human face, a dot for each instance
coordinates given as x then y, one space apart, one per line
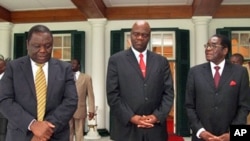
235 60
75 65
40 47
214 51
140 35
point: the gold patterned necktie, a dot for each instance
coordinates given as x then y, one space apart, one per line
41 90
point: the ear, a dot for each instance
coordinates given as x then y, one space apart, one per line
225 51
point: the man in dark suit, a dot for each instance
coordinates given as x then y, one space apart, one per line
18 95
139 100
3 120
212 109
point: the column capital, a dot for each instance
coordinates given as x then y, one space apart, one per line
6 26
201 19
98 21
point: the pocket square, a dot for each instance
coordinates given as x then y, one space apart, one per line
232 83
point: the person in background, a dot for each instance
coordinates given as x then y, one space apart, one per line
3 120
213 107
139 90
85 92
237 58
38 113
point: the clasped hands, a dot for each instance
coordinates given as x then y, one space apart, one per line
144 121
207 136
42 130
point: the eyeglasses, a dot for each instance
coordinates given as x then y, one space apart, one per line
212 46
143 35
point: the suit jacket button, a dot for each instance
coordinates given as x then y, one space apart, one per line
146 99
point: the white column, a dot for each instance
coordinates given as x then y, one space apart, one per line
98 67
5 39
201 37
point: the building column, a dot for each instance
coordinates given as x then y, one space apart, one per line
98 67
201 37
5 39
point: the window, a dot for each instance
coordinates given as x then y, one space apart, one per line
241 43
62 47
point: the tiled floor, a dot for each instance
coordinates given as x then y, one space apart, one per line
108 139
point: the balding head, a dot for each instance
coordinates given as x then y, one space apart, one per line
142 24
140 35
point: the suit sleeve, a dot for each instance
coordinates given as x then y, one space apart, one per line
190 103
91 97
10 99
120 108
167 95
63 97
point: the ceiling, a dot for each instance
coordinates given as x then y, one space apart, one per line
65 10
24 5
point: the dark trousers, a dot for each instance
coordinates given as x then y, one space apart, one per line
3 127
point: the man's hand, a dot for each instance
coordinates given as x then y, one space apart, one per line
144 121
207 136
91 115
42 130
225 137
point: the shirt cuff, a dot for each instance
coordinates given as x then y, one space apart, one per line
199 132
31 124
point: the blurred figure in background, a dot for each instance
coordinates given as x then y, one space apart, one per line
84 91
237 58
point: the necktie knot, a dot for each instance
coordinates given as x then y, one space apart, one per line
217 68
39 65
141 55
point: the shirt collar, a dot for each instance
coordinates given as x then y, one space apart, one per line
137 52
221 65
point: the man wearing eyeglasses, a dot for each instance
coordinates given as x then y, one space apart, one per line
215 99
139 90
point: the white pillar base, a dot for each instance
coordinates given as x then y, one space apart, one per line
93 133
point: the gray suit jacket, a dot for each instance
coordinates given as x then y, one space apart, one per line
128 93
18 98
216 109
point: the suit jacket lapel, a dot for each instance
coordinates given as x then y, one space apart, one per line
227 71
149 65
208 75
25 66
53 69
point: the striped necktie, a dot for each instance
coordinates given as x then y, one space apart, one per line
41 90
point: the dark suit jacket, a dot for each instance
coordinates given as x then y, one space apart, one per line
18 98
128 93
216 109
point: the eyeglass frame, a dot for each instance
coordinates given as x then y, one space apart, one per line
143 35
212 46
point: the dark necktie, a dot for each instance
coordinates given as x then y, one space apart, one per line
216 76
142 65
